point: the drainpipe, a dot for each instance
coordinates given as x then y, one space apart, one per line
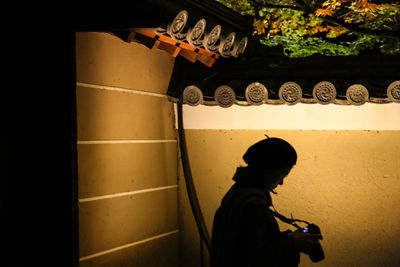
191 191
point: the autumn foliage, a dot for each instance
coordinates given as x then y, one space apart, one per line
331 27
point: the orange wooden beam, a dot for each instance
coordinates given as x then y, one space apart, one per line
175 47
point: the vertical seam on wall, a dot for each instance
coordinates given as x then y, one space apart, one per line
178 201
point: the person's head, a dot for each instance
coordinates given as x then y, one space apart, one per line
271 159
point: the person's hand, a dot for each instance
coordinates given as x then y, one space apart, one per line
303 242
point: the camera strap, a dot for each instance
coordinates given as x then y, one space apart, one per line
284 219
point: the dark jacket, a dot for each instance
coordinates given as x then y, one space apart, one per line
245 233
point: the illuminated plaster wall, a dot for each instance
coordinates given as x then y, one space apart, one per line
346 181
127 154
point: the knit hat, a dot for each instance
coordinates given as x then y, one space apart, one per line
273 152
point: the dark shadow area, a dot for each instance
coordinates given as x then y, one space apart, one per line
39 158
39 141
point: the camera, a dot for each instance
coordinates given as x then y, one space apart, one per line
316 253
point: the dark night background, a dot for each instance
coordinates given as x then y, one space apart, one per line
37 144
38 173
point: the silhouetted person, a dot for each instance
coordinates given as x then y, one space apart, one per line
245 232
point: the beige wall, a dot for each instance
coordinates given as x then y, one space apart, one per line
347 182
294 117
127 154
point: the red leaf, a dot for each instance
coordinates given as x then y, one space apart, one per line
322 12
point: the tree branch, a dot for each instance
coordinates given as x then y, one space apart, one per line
283 6
302 4
355 28
256 4
351 27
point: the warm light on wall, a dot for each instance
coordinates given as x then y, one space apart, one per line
297 117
